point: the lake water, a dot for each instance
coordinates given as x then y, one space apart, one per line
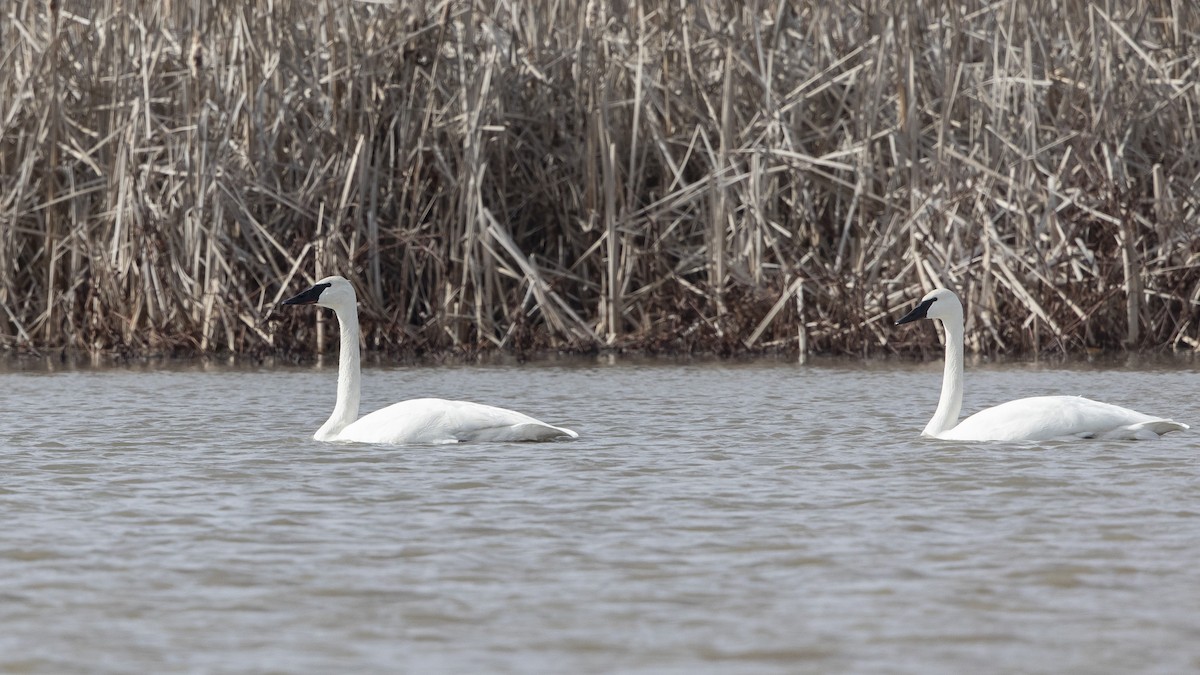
714 517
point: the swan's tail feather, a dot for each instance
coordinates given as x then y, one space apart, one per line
1163 426
1146 430
550 433
536 432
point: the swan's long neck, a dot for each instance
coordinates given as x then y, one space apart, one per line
345 410
950 403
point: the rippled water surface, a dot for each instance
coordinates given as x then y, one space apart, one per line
732 518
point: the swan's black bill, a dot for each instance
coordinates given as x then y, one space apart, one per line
308 297
921 311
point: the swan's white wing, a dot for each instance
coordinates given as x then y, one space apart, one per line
435 420
1045 417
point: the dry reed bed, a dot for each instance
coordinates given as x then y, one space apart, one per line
663 175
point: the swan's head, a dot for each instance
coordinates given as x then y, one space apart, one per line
939 304
333 292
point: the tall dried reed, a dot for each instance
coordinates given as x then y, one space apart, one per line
668 175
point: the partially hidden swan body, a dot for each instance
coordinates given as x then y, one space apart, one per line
420 420
1026 419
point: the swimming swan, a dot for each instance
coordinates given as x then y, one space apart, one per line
1028 419
421 420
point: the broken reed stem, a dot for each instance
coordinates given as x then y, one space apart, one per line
802 342
570 175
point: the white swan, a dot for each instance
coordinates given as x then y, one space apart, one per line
1027 419
421 420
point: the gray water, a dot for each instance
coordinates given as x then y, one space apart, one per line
724 518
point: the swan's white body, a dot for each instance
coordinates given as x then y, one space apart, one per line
1028 419
421 420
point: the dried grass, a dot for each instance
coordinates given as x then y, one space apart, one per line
654 174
